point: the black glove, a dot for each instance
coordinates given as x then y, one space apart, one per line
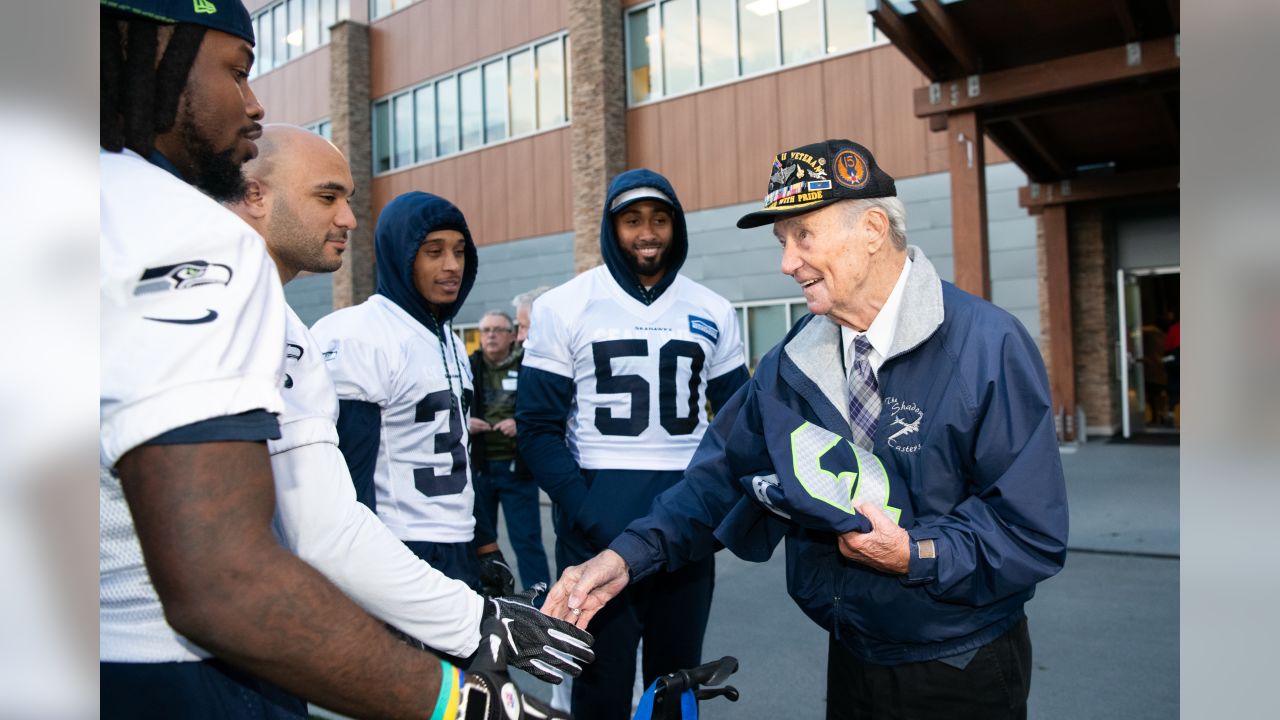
487 691
545 647
496 578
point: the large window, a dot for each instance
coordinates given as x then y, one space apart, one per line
675 46
379 8
520 92
288 29
323 128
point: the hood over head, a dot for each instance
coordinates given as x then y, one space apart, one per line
402 227
628 182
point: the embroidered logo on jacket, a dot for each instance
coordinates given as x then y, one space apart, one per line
904 427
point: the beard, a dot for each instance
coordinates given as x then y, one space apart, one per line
218 174
302 249
645 267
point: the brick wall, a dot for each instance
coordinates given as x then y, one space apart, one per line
1093 318
349 108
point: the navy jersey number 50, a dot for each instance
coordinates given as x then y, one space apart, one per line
639 389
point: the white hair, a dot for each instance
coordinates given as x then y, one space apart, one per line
525 299
499 313
892 208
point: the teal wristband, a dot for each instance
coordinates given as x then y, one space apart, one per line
447 701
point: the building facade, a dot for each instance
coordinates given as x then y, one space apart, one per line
520 111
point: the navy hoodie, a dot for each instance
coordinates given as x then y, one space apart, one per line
402 226
612 254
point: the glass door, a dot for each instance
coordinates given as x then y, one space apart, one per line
1132 387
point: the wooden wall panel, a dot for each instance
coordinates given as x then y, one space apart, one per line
677 154
470 190
758 133
491 226
297 92
643 139
847 105
717 165
900 141
520 199
544 179
800 106
513 22
545 17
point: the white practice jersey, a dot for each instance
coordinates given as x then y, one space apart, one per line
192 322
640 371
319 519
378 353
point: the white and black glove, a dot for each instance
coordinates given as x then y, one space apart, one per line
496 578
545 647
488 693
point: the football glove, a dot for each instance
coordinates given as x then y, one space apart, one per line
496 578
545 647
487 691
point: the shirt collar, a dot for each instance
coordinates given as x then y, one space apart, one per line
883 328
162 162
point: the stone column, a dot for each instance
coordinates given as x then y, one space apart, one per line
598 128
1095 327
350 117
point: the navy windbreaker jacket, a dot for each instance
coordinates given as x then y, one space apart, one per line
966 433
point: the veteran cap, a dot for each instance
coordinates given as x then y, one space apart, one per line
812 176
228 16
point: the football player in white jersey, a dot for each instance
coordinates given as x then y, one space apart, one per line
404 383
619 365
196 595
297 198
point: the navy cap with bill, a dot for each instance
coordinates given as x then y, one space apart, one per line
809 177
228 16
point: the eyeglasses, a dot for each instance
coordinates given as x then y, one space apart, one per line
494 331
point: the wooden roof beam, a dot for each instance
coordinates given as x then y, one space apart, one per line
953 39
890 23
1042 149
1036 196
1124 13
1052 77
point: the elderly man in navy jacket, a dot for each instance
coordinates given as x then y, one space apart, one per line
900 438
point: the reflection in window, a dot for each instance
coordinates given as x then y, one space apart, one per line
280 24
801 30
521 67
550 57
382 137
679 51
311 33
328 16
495 101
642 49
767 325
402 129
293 38
424 113
472 109
266 50
719 57
848 25
757 35
447 116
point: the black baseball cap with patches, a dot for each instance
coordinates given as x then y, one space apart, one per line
811 176
228 16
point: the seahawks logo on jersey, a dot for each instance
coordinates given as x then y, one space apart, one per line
182 276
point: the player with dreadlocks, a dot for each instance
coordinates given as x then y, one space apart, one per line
203 614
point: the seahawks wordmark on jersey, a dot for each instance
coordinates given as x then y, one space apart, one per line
378 353
641 371
192 320
318 517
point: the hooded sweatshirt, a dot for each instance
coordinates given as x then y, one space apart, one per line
615 378
404 384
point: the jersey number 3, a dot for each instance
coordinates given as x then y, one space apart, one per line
638 388
426 479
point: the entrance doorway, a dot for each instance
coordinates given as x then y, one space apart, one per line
1150 350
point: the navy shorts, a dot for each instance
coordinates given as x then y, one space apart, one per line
191 691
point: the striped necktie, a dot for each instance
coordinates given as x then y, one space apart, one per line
864 396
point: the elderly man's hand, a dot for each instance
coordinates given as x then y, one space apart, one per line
584 589
477 425
506 427
887 547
